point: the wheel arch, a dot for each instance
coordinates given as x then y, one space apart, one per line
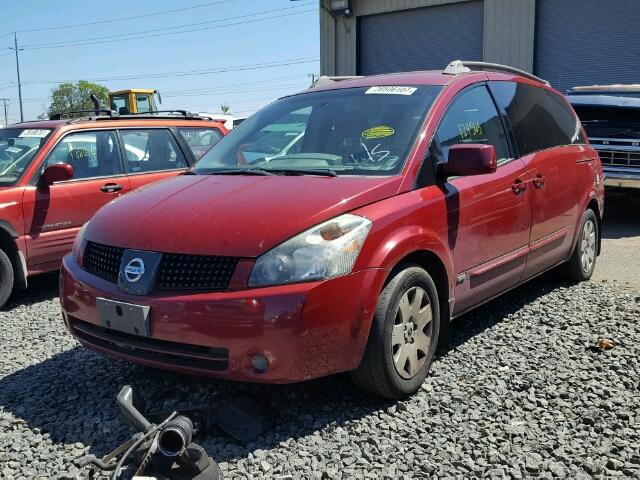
434 265
8 244
415 244
595 206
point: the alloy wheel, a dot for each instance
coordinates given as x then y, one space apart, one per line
412 332
588 246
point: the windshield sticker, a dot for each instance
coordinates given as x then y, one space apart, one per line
34 132
380 131
13 150
391 90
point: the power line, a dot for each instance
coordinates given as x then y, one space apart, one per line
120 19
257 66
228 85
283 86
164 29
225 92
138 37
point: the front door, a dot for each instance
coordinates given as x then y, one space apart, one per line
489 216
55 213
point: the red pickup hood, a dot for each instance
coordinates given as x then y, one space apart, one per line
242 216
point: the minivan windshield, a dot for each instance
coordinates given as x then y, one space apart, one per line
353 131
18 146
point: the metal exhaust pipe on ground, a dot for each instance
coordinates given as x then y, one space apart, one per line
175 436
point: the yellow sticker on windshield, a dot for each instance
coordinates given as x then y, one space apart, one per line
378 132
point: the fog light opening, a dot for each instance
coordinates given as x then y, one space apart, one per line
259 363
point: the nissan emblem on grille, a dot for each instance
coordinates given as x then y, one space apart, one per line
134 270
138 271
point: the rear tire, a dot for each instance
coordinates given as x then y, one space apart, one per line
582 263
403 336
6 278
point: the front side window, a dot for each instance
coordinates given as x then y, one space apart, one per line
539 118
200 140
142 100
120 103
471 118
91 154
353 131
18 146
151 151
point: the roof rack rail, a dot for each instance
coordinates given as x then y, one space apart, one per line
464 66
184 113
325 80
110 113
149 116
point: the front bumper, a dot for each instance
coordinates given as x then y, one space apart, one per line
621 178
305 330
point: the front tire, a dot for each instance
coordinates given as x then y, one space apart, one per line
6 278
403 337
582 263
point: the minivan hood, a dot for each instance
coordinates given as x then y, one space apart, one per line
242 216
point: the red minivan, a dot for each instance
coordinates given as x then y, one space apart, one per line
401 202
55 174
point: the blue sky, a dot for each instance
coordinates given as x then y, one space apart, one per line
270 45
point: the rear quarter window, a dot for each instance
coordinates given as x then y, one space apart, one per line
200 140
540 119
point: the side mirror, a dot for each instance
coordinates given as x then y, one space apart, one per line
58 172
470 159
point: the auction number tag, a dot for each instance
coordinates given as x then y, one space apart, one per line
391 90
34 132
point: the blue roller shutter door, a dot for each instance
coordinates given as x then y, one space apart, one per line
421 39
587 42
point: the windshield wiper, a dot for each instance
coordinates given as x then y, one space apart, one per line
272 171
293 171
239 171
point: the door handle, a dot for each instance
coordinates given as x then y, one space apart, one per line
538 182
110 187
518 186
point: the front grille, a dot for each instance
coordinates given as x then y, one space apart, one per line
145 348
176 271
195 272
103 260
620 158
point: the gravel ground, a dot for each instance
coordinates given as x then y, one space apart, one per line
523 391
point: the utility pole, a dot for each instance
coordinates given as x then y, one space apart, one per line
4 101
16 49
313 78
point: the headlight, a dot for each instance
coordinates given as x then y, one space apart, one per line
79 244
325 251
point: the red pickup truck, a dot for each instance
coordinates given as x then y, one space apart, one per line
55 174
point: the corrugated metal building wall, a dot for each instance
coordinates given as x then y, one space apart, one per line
503 23
569 42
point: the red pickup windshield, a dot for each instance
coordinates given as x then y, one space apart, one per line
18 146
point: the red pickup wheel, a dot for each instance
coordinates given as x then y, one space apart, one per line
6 278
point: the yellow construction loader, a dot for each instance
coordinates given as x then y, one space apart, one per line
134 100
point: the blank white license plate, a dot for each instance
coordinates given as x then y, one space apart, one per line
124 317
